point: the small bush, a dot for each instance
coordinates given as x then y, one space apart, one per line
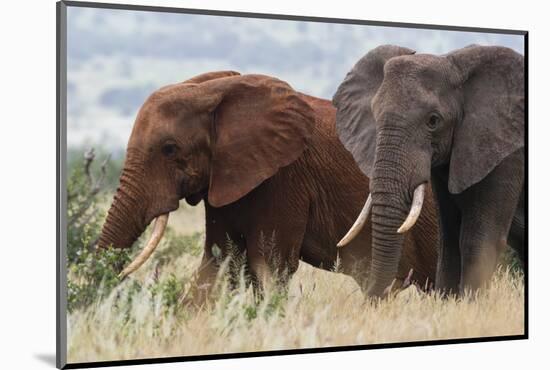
169 291
94 276
509 258
84 218
93 273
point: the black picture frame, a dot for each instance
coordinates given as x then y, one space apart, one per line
61 194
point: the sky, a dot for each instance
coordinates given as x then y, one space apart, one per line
116 58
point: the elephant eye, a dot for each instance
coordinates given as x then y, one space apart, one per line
169 149
433 122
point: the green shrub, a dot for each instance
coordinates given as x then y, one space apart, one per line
93 276
169 290
92 273
84 218
509 258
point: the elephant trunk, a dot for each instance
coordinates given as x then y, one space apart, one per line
390 206
126 217
386 243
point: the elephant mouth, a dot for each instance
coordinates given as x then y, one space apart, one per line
159 211
160 222
195 198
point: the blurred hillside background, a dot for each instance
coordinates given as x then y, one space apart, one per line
116 58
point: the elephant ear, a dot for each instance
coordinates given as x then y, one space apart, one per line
492 126
355 122
260 124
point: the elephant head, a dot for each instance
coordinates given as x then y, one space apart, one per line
214 137
401 114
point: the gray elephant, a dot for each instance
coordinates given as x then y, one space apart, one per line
456 120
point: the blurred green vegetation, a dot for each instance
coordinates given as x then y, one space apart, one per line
91 274
76 162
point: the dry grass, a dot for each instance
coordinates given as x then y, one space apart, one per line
322 309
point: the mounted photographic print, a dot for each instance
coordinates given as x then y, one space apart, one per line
236 184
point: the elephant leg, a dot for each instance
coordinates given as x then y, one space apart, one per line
449 260
258 262
205 278
275 233
488 208
273 248
207 272
480 245
273 256
516 236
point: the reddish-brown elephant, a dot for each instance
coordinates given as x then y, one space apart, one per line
268 163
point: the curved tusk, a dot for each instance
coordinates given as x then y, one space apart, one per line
416 207
156 236
359 223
